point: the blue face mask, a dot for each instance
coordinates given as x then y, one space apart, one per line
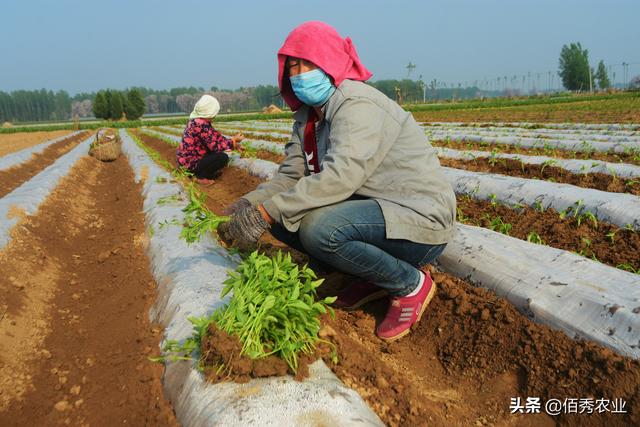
313 87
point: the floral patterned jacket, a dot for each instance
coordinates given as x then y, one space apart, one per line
198 139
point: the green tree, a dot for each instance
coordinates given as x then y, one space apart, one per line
100 106
602 76
135 105
574 67
116 106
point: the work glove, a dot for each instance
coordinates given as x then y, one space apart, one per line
244 229
236 206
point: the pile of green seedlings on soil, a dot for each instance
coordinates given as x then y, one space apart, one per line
273 311
198 218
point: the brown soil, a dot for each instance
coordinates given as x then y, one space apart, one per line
12 178
620 248
176 132
467 358
598 181
223 362
268 155
563 154
12 142
75 291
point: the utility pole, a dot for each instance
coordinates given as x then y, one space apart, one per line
625 69
590 81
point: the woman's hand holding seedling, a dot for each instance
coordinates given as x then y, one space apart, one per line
244 229
236 139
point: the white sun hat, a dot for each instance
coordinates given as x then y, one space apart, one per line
207 107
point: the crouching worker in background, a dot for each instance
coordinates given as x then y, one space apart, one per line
202 150
361 189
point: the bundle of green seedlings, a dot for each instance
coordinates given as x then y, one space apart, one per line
198 218
273 311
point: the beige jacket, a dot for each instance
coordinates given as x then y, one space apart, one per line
368 146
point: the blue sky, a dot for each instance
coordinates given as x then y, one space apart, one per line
88 45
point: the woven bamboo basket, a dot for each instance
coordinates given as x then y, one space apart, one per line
106 147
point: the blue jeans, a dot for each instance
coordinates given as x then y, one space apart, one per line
350 236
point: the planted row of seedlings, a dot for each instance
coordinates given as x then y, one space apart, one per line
541 133
470 341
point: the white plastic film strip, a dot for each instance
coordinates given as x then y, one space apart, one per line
28 197
621 170
620 209
14 159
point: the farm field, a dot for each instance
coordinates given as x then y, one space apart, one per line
537 294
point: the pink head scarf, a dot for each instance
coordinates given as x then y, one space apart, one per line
321 44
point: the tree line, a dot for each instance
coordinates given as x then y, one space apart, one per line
34 105
45 105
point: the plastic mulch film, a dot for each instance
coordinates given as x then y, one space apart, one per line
265 133
584 298
617 208
578 166
260 144
14 159
27 198
531 125
190 281
261 168
260 124
582 134
561 144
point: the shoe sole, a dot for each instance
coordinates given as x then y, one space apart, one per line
426 302
372 297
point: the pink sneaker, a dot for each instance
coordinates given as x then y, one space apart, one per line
358 294
404 312
205 181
